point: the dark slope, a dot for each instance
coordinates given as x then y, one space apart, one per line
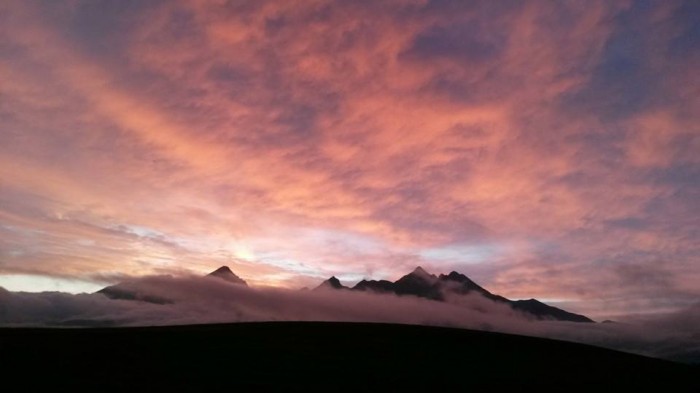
536 307
531 306
459 283
124 291
333 356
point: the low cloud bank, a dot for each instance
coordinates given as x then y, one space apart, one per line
210 300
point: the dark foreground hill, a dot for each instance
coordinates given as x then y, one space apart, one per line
331 356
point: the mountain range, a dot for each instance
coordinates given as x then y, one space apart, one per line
422 284
418 283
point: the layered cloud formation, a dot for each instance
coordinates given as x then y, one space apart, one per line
547 150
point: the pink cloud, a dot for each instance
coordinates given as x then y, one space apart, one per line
300 141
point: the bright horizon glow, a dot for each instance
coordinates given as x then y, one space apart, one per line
39 283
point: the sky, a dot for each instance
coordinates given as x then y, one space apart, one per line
547 150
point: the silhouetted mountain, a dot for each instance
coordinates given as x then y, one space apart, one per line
459 283
420 283
331 283
225 273
380 286
125 291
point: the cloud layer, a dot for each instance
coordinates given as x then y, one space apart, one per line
547 150
192 300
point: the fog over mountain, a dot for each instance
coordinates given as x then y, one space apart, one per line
168 300
422 284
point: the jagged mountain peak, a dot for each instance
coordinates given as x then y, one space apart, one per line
332 283
421 283
420 274
420 270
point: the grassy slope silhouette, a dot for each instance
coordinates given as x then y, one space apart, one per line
336 356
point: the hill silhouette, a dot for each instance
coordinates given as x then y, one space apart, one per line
336 356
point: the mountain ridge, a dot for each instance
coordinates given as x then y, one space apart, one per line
418 283
421 283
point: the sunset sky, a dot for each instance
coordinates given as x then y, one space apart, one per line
546 149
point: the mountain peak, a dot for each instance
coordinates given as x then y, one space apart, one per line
418 283
423 274
332 283
420 270
460 278
456 276
222 270
225 273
